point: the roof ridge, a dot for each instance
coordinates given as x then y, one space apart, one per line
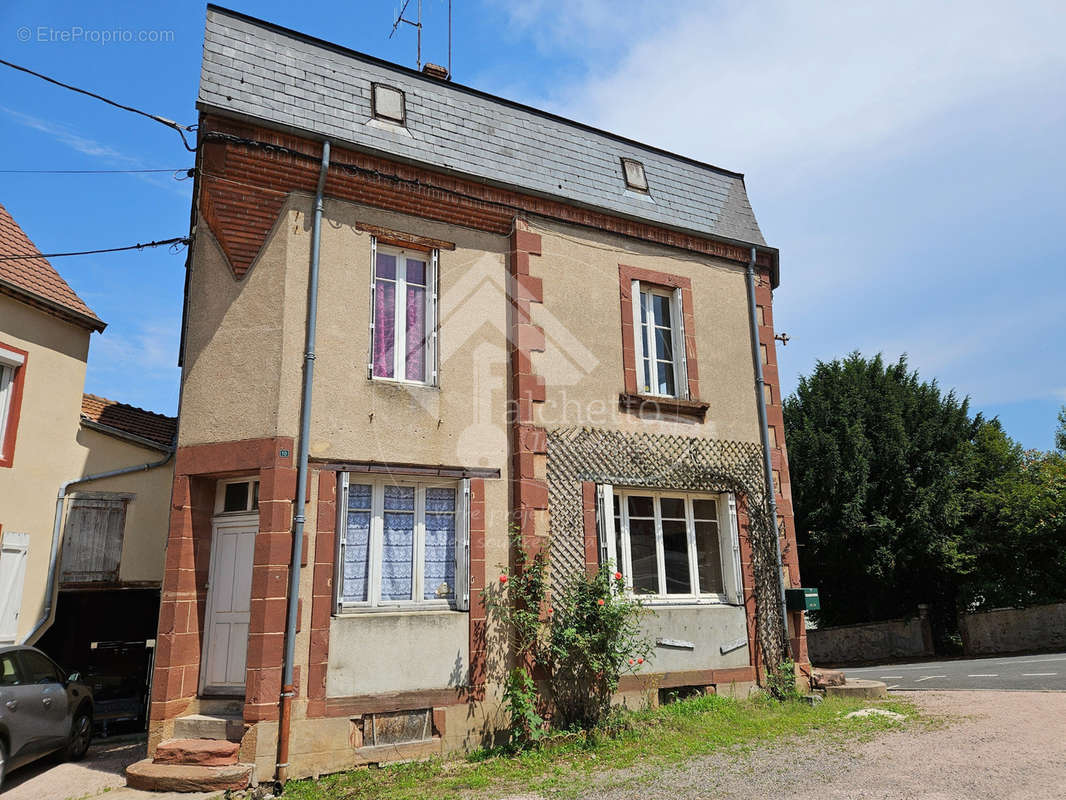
125 405
35 279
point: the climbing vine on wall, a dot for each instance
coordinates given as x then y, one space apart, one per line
667 462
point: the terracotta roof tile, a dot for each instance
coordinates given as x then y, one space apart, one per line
35 275
157 428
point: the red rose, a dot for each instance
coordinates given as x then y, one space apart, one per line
630 662
618 576
599 602
503 579
551 610
640 660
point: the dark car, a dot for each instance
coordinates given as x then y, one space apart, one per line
42 709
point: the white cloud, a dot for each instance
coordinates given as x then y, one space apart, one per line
151 349
755 85
67 136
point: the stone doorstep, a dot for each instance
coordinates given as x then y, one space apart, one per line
197 752
153 777
209 726
866 690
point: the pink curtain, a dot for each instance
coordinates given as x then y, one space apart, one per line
384 327
416 333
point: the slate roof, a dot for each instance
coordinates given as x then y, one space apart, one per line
36 277
157 428
255 69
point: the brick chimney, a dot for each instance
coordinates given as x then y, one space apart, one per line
435 71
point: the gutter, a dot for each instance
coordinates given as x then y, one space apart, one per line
764 435
300 508
48 614
100 427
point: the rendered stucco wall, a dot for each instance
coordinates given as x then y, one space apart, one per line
581 318
707 627
403 651
52 448
46 451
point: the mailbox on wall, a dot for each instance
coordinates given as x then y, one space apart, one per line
802 600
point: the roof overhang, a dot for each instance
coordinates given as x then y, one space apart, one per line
51 306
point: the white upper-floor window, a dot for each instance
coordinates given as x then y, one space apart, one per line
659 341
403 340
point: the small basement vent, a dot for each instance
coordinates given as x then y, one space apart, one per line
634 175
397 727
387 102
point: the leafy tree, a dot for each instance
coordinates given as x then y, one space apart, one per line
879 462
1016 536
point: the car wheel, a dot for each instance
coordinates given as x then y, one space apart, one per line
3 763
81 734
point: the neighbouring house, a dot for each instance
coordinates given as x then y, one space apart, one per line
521 321
82 559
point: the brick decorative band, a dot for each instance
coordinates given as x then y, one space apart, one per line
243 188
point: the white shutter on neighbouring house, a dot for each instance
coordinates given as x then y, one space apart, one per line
462 547
13 552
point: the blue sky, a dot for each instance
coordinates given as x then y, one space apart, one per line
907 159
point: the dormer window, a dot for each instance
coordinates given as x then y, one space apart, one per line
633 171
387 103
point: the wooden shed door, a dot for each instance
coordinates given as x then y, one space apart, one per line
228 603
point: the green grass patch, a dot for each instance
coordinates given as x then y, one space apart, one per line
646 740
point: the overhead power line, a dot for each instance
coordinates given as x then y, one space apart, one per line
181 129
85 171
177 240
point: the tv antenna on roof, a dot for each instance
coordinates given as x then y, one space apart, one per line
416 23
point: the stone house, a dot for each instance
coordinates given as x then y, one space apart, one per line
518 320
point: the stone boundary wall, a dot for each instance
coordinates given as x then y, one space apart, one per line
890 640
1013 630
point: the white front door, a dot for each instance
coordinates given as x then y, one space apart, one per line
228 603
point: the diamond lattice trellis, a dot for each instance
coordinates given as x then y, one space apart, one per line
665 462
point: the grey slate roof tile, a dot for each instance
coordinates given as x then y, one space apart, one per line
281 77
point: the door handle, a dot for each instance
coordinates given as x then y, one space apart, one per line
47 702
12 704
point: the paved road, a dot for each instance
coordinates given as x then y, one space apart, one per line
1017 673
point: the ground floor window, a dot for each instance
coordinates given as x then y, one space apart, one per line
672 545
402 543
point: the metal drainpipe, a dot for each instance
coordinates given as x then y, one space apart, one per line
53 559
287 690
764 434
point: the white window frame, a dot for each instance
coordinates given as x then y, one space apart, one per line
399 347
9 365
251 506
644 341
460 600
728 544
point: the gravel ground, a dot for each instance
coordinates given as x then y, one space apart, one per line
102 769
1003 745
